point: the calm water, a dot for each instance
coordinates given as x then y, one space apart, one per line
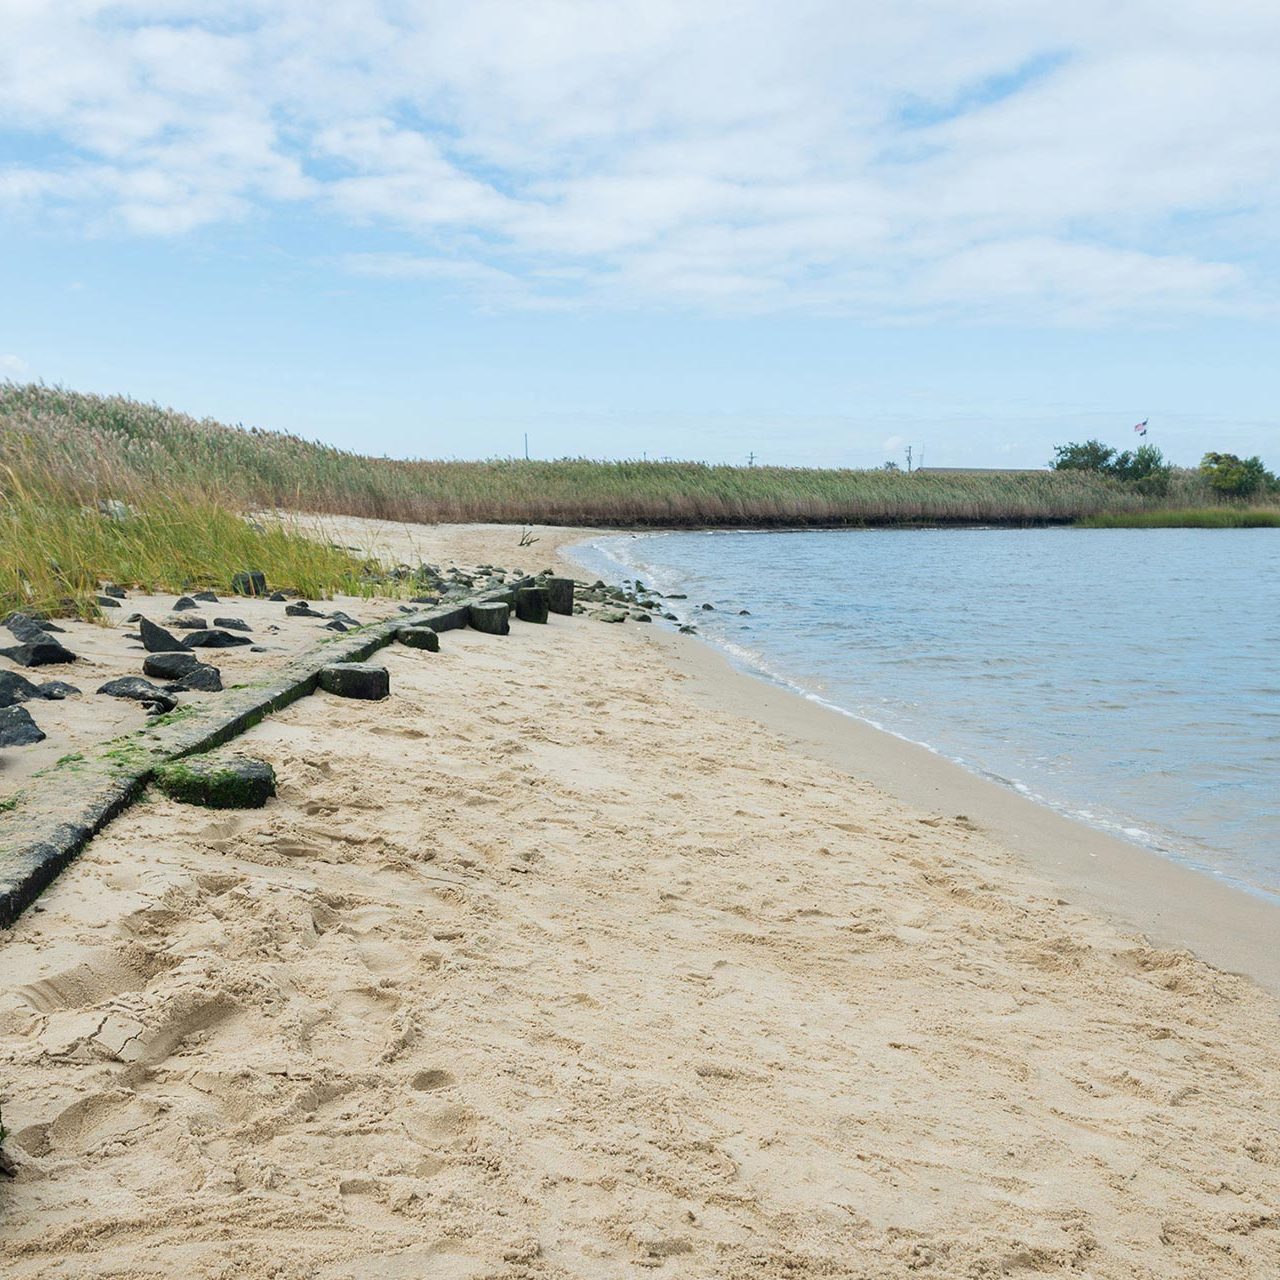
1128 677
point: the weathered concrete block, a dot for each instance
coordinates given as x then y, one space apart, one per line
533 604
493 619
560 594
356 680
218 782
419 638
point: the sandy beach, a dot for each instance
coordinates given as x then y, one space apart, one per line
579 958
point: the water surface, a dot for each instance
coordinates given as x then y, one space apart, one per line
1130 678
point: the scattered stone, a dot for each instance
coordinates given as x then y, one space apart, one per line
336 624
189 622
301 609
278 596
134 617
202 678
688 631
15 688
170 666
493 619
115 592
744 613
136 689
641 617
219 782
107 602
404 608
214 639
612 615
533 604
207 596
157 639
27 629
257 648
252 583
356 680
423 600
677 595
39 653
57 690
232 624
419 638
184 602
17 728
709 608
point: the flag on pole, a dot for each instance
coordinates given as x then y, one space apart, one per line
1141 427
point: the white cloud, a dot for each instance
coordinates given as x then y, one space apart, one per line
13 367
1090 162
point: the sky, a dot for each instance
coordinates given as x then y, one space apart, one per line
808 232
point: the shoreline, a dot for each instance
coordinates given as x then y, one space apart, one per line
1135 886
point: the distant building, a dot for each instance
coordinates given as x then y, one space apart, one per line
985 471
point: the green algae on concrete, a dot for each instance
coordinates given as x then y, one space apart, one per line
225 782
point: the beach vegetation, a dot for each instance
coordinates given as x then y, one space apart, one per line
1215 517
1234 477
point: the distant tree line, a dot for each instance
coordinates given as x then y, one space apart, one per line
1144 470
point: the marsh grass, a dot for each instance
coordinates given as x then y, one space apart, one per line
1217 517
184 483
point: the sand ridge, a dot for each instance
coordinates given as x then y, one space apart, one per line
535 971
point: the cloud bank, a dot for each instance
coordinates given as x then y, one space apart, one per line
996 160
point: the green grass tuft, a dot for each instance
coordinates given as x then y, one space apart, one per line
1219 517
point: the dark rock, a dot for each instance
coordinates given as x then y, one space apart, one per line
257 648
641 617
207 596
356 680
184 602
560 594
422 600
532 604
347 618
26 629
670 617
17 728
419 638
116 593
252 583
189 622
301 609
57 690
136 689
709 608
214 640
218 782
404 608
15 688
157 639
107 602
744 613
39 653
170 666
134 617
336 624
493 619
278 596
688 631
202 678
677 595
232 624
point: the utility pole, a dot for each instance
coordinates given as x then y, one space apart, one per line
751 459
908 459
526 446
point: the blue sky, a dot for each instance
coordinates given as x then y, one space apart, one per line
812 231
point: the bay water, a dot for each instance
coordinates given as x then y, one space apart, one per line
1128 678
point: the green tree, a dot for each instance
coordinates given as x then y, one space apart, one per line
1092 455
1144 470
1235 477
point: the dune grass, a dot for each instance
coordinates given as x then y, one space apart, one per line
1219 517
65 530
261 469
180 487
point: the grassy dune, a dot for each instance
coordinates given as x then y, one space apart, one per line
185 484
267 469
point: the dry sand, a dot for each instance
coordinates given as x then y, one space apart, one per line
544 968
